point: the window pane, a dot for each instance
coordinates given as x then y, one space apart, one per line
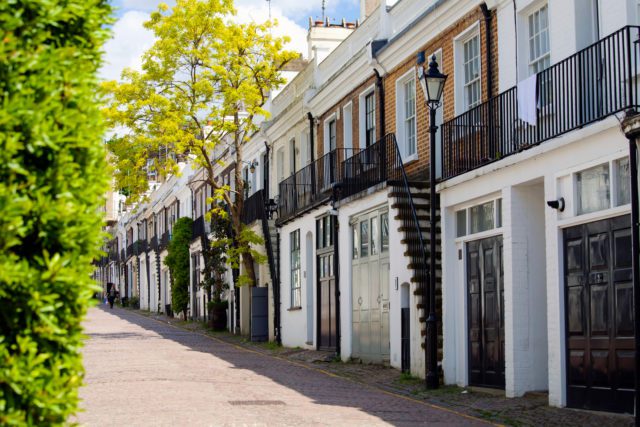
593 189
374 236
461 223
481 217
356 241
328 231
498 213
384 232
623 181
364 239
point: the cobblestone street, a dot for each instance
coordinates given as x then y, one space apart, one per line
141 371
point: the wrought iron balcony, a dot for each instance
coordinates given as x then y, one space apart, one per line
588 86
154 243
197 228
367 168
311 185
130 250
164 240
253 208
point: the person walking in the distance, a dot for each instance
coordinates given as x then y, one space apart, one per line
111 297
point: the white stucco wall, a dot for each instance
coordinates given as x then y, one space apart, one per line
533 276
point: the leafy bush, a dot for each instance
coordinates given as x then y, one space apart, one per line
52 181
178 262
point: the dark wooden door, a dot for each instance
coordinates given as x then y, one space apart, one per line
405 339
485 300
326 302
599 315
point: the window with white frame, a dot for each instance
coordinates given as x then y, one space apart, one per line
296 280
280 164
347 128
471 71
293 165
538 36
478 218
406 112
332 135
370 119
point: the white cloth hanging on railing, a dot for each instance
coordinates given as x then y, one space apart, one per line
527 101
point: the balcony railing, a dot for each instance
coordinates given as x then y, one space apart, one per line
311 185
253 208
130 250
141 246
588 86
366 168
154 243
164 240
197 228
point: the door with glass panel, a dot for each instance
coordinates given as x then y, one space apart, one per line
370 286
327 319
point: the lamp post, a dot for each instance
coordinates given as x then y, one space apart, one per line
432 83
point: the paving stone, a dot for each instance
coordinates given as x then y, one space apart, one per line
141 371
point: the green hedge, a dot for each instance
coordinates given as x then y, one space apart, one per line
52 182
177 260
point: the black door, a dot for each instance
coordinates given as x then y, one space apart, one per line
405 339
326 302
599 315
485 300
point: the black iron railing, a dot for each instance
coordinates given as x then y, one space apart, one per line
311 185
122 255
366 168
130 251
154 243
164 240
590 85
142 246
198 228
253 208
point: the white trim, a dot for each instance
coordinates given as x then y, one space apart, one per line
594 216
325 133
400 114
458 87
347 134
362 114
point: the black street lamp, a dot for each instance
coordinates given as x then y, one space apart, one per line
432 83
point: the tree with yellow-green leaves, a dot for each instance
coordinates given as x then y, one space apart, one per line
202 85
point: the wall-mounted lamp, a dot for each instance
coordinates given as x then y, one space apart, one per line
557 204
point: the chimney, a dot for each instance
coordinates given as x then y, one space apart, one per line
323 36
367 7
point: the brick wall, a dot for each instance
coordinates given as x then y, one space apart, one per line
445 42
354 98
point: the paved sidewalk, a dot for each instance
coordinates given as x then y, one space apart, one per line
141 371
531 410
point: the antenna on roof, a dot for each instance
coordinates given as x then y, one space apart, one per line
323 8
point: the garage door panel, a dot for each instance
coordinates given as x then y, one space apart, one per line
624 309
599 316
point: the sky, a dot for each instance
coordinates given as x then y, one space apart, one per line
130 39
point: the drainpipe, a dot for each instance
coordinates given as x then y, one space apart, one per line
488 56
383 151
380 86
631 128
276 295
313 154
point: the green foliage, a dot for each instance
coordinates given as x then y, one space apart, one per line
52 181
215 256
202 85
245 247
177 260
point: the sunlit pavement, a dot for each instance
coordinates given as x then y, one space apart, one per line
143 372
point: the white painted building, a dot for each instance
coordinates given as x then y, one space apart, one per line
537 291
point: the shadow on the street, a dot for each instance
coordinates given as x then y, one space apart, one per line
319 387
